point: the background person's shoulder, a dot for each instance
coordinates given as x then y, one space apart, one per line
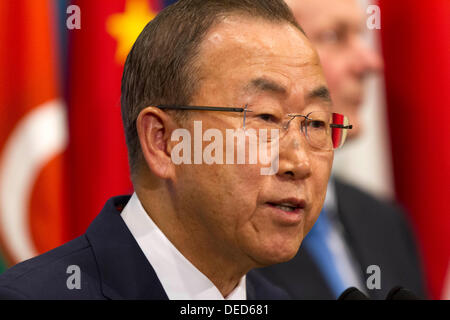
66 272
380 223
362 199
383 233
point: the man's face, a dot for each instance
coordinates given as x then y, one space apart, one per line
336 30
246 61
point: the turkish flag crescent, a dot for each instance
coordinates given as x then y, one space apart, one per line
416 47
32 131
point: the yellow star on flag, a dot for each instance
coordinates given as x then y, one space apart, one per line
125 27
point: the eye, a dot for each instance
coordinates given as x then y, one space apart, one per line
267 117
336 36
316 124
329 36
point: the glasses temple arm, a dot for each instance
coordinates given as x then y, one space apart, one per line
340 126
206 108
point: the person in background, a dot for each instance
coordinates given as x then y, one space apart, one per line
356 235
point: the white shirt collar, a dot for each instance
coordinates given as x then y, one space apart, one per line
179 277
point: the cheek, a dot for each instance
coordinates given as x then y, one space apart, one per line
224 196
321 164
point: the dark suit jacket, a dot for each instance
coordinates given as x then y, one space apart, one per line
111 263
376 232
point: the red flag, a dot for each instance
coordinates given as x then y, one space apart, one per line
32 131
97 152
416 46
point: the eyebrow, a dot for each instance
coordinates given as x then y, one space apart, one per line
265 85
321 93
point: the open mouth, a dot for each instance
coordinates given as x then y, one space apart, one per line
284 207
289 206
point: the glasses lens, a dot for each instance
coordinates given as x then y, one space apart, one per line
318 130
323 130
266 126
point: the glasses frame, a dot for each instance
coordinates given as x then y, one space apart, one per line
332 125
244 110
206 108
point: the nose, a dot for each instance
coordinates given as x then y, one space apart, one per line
295 156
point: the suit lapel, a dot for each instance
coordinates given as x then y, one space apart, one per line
124 270
251 291
359 231
353 221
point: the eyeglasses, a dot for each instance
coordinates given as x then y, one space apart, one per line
323 130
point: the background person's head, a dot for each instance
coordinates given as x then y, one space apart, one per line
336 30
226 53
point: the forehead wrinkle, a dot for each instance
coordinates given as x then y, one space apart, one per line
229 36
223 49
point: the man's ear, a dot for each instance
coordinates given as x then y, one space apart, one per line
154 129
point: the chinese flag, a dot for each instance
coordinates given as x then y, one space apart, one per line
32 131
416 46
98 163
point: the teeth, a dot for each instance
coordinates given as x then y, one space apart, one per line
288 208
287 204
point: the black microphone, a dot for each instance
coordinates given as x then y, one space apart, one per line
400 293
352 294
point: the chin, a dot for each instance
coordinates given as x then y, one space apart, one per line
277 254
